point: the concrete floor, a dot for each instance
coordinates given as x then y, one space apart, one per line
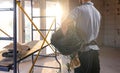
109 61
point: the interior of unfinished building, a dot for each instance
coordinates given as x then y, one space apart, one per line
29 24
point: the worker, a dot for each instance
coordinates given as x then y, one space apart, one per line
86 18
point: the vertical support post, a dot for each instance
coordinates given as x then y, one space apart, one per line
32 31
65 8
21 24
43 20
15 36
32 19
43 13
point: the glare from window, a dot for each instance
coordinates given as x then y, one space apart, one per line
6 22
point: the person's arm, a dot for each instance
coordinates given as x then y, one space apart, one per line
65 24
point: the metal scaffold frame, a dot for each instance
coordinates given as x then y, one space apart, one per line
55 52
14 38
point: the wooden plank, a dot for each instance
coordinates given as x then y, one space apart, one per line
6 63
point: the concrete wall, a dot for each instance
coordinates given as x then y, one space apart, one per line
110 26
111 18
73 3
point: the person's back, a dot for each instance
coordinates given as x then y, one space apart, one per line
87 19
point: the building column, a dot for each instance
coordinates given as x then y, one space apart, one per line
21 25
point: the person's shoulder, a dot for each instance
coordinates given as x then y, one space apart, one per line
81 7
76 8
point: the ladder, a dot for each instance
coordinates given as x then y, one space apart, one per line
44 30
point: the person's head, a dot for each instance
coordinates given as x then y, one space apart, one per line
83 1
